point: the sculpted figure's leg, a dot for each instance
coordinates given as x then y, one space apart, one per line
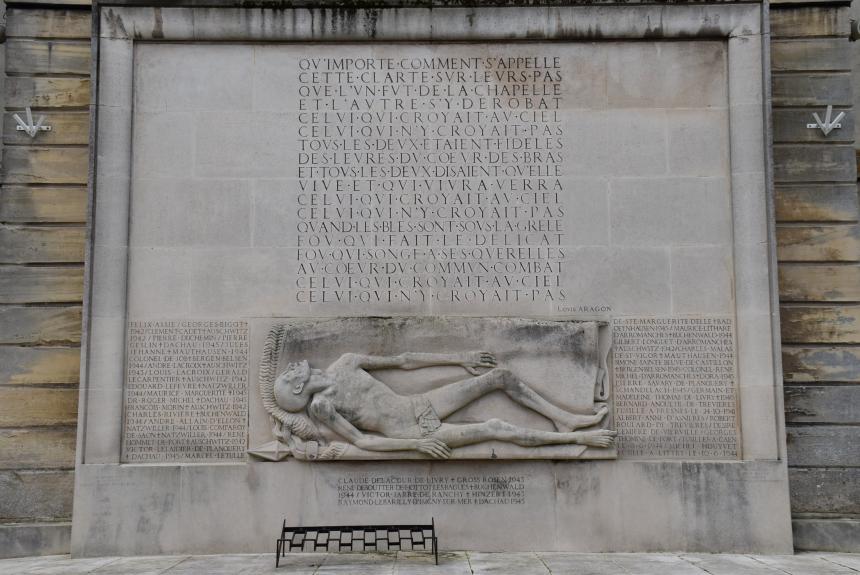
455 435
448 399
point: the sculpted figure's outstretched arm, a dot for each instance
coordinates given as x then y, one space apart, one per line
322 410
470 360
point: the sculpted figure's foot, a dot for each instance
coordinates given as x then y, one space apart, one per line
574 421
599 438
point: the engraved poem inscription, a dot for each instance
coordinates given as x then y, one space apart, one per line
429 179
186 391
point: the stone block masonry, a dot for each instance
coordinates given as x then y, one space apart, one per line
42 235
819 252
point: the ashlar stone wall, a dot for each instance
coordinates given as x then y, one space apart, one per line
43 202
819 277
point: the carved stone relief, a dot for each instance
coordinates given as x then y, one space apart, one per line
342 409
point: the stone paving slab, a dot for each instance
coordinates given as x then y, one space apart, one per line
139 565
493 563
584 563
648 563
450 563
845 559
806 565
732 565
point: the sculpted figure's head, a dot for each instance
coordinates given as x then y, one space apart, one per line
292 391
297 375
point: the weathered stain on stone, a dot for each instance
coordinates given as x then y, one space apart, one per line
158 24
115 24
654 30
830 364
371 22
795 397
430 4
706 486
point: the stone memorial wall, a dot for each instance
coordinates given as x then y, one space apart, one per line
330 258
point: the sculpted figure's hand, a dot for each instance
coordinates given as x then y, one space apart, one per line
472 360
433 448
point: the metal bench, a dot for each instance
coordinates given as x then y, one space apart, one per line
348 538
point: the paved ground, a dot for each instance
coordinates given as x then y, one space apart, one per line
408 563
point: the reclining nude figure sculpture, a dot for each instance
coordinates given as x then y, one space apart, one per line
367 413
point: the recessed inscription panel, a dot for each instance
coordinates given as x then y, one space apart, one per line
516 179
481 179
186 391
675 388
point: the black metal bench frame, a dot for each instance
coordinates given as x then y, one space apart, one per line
320 538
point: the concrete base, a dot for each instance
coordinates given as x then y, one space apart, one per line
25 539
739 507
817 534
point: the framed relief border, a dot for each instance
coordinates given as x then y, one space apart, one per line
119 27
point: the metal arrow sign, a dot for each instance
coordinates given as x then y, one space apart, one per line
28 126
827 125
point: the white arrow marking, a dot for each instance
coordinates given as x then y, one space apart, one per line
28 126
827 125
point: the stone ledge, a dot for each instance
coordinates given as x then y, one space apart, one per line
781 4
25 539
48 4
413 23
818 534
